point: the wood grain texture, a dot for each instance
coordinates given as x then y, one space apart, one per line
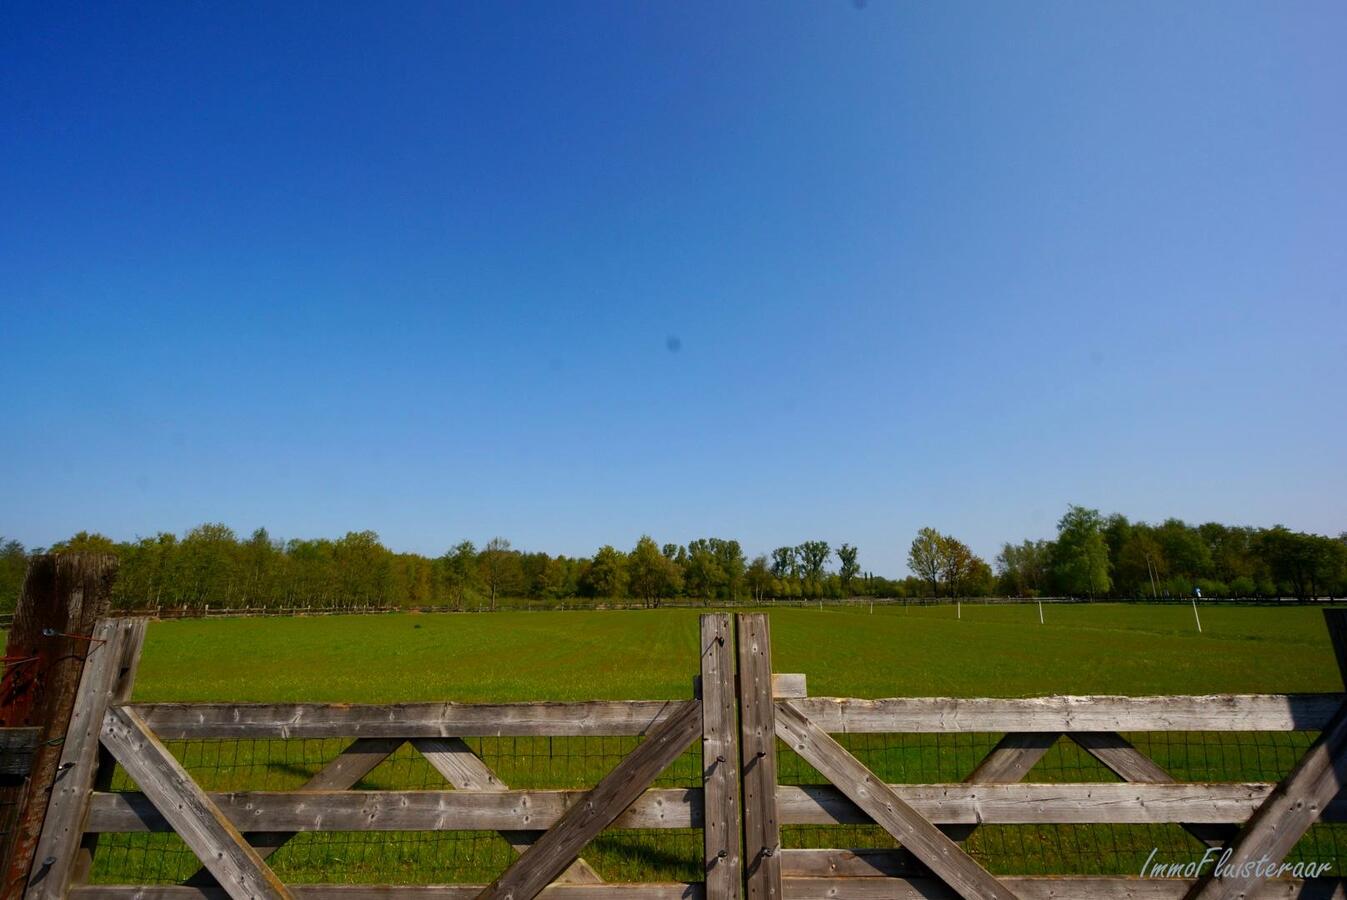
720 760
945 858
17 746
757 746
1073 888
462 768
294 811
1130 764
211 836
68 807
107 765
186 721
1213 712
789 686
1039 804
507 811
352 764
540 864
661 891
62 598
1009 761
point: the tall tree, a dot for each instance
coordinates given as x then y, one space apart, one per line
848 568
703 576
956 563
924 558
759 578
651 575
1080 556
607 573
499 566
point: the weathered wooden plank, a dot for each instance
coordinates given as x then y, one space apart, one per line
454 760
107 765
946 804
789 686
185 721
200 824
69 804
1294 806
355 762
1009 761
16 750
943 856
720 762
1219 712
62 599
660 891
1013 757
757 746
1072 888
1035 804
561 845
1214 712
1126 761
294 811
826 863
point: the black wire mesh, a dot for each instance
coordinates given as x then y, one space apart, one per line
1101 849
676 854
409 857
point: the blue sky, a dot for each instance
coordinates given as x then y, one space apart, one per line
569 273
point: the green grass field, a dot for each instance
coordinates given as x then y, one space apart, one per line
897 651
991 651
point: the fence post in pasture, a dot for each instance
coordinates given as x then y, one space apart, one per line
720 764
757 718
64 852
63 596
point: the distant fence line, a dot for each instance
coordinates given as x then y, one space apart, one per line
210 611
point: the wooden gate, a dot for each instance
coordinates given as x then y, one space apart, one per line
1253 822
233 834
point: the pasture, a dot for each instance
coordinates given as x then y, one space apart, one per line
647 654
990 651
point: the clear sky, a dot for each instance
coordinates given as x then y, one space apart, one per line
569 273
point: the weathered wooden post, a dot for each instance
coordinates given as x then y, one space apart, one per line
757 744
63 596
720 762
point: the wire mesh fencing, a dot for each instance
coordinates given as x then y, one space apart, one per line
1068 849
408 857
643 855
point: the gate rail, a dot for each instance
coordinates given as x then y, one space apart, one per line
744 715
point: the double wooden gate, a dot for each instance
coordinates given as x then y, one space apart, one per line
744 716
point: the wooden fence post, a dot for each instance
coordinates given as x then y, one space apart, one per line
63 849
63 597
757 744
720 763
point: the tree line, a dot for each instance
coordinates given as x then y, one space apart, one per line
1092 555
1111 557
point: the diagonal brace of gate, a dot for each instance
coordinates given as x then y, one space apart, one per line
928 843
560 846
